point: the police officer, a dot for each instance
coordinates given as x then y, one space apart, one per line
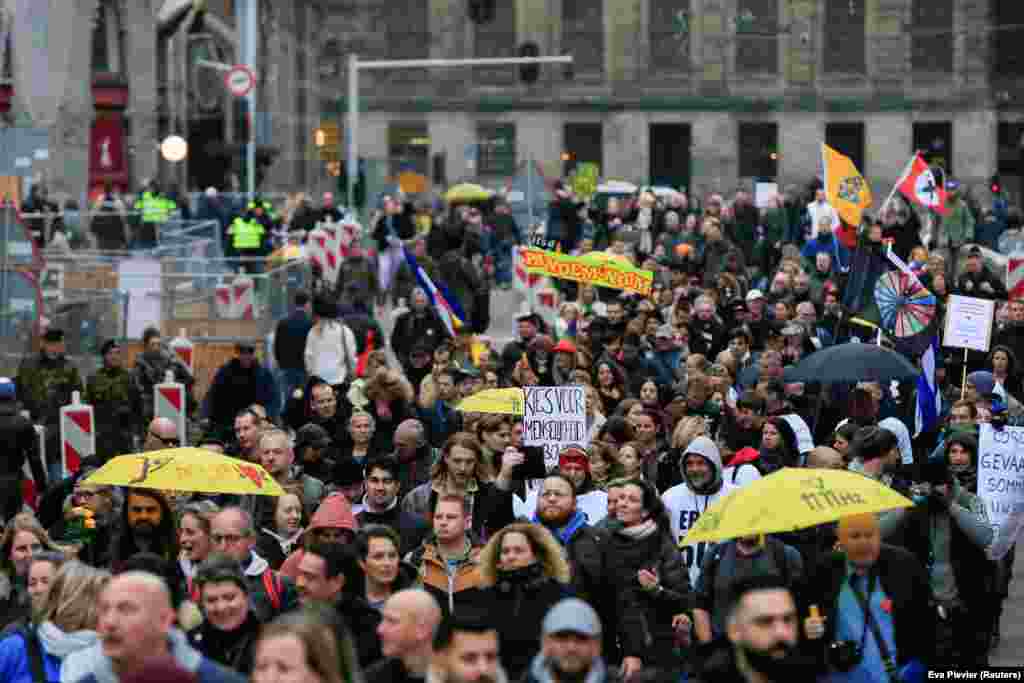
248 233
20 443
156 210
44 385
115 403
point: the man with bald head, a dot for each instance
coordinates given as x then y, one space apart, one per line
135 621
414 454
825 458
162 433
886 579
409 619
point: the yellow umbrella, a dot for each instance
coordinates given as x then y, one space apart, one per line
790 499
467 192
495 402
187 469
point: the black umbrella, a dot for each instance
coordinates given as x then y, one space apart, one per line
852 362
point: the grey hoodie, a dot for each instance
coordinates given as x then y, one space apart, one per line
540 673
91 660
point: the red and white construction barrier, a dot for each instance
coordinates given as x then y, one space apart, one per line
77 434
184 350
1015 276
171 401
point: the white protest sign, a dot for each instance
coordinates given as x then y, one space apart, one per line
1001 471
553 418
765 194
968 323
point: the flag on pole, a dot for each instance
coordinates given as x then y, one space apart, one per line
845 187
447 306
929 400
918 185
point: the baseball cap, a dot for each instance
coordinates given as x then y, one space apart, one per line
754 294
572 615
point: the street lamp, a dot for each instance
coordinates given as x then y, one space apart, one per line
174 148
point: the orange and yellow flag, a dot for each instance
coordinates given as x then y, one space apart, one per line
845 187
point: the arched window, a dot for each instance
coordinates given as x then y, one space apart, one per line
107 56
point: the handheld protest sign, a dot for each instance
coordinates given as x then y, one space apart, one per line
77 434
554 418
170 401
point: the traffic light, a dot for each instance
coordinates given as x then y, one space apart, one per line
995 185
529 73
481 11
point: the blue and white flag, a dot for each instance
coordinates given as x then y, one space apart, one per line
929 400
448 308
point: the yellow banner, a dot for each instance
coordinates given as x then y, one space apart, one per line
595 268
845 187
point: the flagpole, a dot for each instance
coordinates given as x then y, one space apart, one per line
899 180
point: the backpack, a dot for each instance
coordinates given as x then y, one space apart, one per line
271 582
776 547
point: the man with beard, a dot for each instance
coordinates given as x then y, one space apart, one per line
277 456
111 393
570 647
707 332
466 652
417 325
761 637
414 453
248 426
702 486
147 526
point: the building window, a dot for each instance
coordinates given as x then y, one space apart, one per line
757 36
583 35
758 152
583 143
847 139
1009 36
844 36
669 35
330 60
408 149
931 36
496 148
106 40
407 25
496 39
934 140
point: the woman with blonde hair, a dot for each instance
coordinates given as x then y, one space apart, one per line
524 574
23 537
67 624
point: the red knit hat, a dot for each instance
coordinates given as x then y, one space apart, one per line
574 455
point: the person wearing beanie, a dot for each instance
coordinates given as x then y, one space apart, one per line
571 637
22 444
979 383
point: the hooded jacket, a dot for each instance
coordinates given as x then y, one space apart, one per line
90 665
685 502
56 646
540 672
334 512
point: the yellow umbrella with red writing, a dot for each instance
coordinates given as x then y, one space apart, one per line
187 469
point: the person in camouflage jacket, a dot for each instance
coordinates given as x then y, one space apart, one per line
151 368
45 383
115 402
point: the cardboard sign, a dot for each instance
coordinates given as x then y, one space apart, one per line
554 418
596 268
969 323
1001 471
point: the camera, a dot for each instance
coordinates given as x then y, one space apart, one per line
844 655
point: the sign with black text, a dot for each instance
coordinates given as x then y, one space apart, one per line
554 418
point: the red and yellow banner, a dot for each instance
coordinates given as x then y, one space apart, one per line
596 268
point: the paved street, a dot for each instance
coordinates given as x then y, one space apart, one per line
1011 649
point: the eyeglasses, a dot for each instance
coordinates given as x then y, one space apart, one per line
172 441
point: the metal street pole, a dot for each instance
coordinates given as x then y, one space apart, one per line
252 14
354 66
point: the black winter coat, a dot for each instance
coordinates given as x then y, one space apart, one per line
905 582
522 599
644 618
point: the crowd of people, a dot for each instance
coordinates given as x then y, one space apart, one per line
419 542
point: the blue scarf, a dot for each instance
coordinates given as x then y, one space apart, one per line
565 533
